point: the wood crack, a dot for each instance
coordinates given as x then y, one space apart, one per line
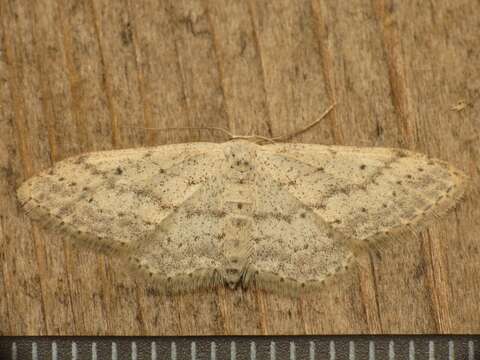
107 88
391 41
326 56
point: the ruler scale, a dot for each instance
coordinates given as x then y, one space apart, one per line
242 348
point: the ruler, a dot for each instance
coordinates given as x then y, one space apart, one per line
238 348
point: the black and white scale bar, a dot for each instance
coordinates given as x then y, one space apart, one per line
239 348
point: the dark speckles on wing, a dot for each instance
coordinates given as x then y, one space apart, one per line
278 216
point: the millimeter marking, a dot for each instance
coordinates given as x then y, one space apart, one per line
332 350
213 350
391 351
312 350
174 351
451 350
351 350
272 351
193 350
114 351
14 351
431 350
411 350
74 350
134 350
371 350
292 350
153 350
253 351
34 351
94 351
54 351
233 351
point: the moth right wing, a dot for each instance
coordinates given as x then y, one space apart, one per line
294 247
368 194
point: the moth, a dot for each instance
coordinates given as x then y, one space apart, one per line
277 216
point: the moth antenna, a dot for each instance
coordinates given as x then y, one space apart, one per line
224 131
309 126
286 136
253 137
245 137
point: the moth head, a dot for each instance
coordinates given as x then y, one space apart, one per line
240 156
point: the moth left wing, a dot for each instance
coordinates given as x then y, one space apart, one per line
109 200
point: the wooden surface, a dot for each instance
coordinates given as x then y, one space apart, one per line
74 75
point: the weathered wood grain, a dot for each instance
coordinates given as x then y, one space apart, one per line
78 76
